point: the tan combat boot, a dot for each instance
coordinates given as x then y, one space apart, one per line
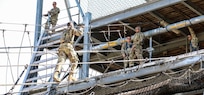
56 76
71 78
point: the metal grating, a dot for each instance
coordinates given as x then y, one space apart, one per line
102 8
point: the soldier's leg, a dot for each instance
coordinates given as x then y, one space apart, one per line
132 57
74 62
47 25
61 60
139 54
194 49
125 64
54 22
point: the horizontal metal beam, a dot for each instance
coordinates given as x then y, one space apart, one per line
147 7
193 7
43 68
154 32
145 69
39 77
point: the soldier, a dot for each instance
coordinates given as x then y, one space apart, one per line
193 40
136 50
54 16
125 50
66 50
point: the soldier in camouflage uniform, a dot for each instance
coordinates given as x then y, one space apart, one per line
193 40
66 50
136 50
125 50
54 16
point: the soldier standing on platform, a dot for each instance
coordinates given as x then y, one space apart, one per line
125 50
136 50
54 16
66 50
193 40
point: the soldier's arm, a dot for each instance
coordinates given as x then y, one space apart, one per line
78 32
61 41
141 38
132 49
63 37
45 14
54 12
191 32
123 49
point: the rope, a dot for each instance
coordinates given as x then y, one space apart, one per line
17 80
56 51
81 93
180 77
144 79
18 24
29 42
145 89
20 49
30 83
8 56
97 62
15 30
116 85
7 65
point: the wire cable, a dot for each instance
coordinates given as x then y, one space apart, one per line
20 49
7 66
18 79
30 42
8 57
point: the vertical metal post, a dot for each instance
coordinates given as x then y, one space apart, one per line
80 9
68 5
38 21
84 70
187 45
36 38
150 45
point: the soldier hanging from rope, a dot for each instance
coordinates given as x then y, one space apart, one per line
136 50
193 40
66 50
54 16
125 50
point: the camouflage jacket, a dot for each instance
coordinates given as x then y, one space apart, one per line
126 48
54 13
69 34
138 38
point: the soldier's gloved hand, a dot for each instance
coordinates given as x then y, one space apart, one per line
45 15
123 55
81 25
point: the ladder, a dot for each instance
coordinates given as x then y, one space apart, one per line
34 82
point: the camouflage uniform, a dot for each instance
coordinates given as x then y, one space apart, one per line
137 47
193 41
66 50
54 17
125 50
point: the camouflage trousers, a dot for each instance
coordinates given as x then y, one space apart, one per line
193 48
53 23
66 50
126 63
136 52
